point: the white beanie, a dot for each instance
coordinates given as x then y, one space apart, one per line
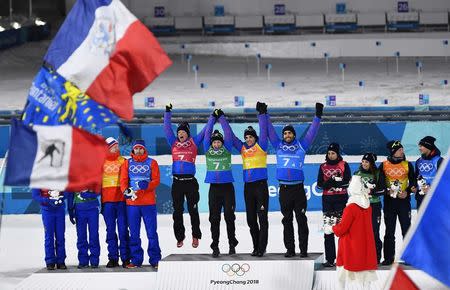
111 141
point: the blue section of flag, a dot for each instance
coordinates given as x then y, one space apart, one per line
73 31
21 154
426 246
54 101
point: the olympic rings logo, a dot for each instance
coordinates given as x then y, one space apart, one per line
183 145
139 168
216 152
235 269
332 172
250 150
426 167
111 168
285 147
395 172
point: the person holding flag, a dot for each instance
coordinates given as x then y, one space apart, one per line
256 192
78 86
83 208
426 167
54 220
114 207
139 178
400 182
184 149
219 176
290 158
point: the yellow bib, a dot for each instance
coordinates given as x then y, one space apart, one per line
396 172
253 157
111 172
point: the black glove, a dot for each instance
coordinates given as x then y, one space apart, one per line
319 110
169 107
261 108
219 113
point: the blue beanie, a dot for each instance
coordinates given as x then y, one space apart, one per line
139 142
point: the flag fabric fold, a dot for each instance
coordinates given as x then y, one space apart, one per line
108 53
57 157
427 241
399 280
53 100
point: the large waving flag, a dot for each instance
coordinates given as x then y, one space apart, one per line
58 157
107 53
427 242
53 100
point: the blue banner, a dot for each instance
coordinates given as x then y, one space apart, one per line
18 200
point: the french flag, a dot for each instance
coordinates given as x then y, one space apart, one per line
108 53
427 241
57 157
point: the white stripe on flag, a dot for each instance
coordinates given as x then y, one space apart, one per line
52 157
92 56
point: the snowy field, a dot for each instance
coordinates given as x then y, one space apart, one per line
22 238
226 77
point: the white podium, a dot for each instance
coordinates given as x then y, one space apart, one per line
241 271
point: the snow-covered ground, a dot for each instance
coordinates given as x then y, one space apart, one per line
22 241
227 77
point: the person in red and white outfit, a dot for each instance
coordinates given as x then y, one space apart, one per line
357 257
114 208
139 178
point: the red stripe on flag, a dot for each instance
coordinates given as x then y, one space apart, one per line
86 161
136 61
402 281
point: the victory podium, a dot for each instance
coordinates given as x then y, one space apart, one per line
241 271
202 271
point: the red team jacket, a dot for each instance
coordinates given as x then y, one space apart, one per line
147 196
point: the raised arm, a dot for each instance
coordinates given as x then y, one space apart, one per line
199 137
313 129
273 137
207 132
227 130
263 141
311 134
227 133
168 125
